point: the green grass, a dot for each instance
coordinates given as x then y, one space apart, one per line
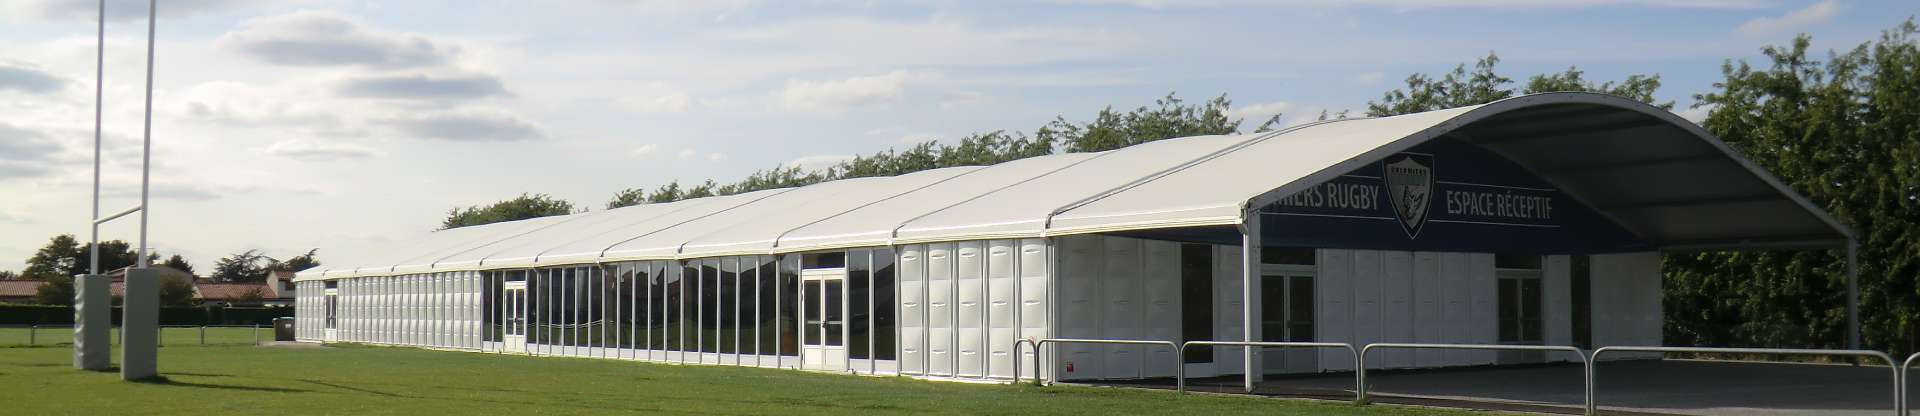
62 335
379 380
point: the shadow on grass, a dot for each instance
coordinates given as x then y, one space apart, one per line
164 381
348 388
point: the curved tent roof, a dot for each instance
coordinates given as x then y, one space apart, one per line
1658 176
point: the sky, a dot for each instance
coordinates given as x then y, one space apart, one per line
290 125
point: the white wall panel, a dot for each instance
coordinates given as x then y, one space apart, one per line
1429 322
1036 321
940 309
1486 319
1626 301
1456 289
1002 329
1079 306
1228 310
1556 281
1396 291
913 311
970 307
1367 307
1161 274
1333 317
1119 283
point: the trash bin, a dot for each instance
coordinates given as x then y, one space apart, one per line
282 329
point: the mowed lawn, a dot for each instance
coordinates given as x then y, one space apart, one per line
381 380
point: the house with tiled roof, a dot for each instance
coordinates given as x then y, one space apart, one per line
18 291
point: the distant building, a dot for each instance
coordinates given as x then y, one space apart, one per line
18 291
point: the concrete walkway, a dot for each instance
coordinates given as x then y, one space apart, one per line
1673 387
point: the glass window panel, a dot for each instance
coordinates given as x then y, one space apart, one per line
834 323
709 305
1530 310
749 302
1300 300
812 330
1516 261
1509 312
729 304
827 260
1273 308
789 271
683 337
1286 255
859 296
885 328
1196 299
769 309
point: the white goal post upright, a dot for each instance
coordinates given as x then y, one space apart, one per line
141 304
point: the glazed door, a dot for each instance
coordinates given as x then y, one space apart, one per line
823 328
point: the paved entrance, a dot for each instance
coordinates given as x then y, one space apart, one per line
1672 387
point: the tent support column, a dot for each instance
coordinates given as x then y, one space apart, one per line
1250 295
1853 294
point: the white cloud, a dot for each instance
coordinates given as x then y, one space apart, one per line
116 9
844 94
318 151
422 87
1814 14
687 153
961 99
1427 4
644 150
28 79
673 102
472 125
1369 78
319 39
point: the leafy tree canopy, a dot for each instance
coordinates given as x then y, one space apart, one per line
519 208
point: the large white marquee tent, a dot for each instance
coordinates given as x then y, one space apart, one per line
1345 230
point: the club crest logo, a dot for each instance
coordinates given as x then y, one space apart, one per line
1409 179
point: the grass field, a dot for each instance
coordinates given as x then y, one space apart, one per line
379 380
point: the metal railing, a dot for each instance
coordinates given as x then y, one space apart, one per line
1179 368
1899 388
1586 362
1181 380
1904 367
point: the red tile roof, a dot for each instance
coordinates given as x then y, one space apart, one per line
19 288
231 291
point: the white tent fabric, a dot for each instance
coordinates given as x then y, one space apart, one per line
1598 149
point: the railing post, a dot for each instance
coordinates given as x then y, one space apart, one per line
256 333
1360 375
1037 347
1180 362
203 335
33 334
1904 397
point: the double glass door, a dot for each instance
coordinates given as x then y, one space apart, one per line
823 313
1287 306
513 304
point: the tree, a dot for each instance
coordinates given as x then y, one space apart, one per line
253 295
179 263
57 291
297 263
245 266
9 275
65 256
523 207
175 291
1170 117
1846 134
56 259
1461 88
